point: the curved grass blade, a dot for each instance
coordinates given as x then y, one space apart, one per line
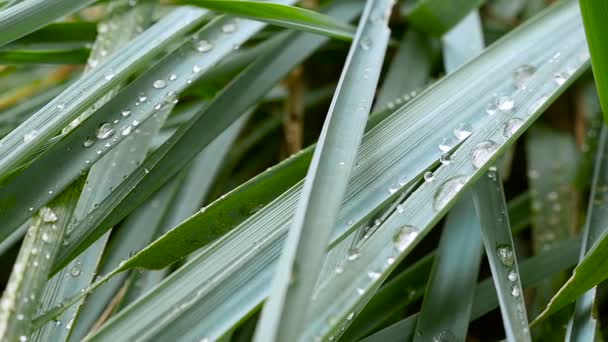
29 15
533 271
500 250
282 15
325 185
437 17
583 325
73 32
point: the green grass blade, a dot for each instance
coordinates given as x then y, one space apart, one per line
64 56
437 17
533 272
500 250
65 32
281 15
592 268
327 179
594 14
583 325
30 15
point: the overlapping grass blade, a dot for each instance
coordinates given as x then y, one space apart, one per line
327 178
71 103
449 294
533 272
59 33
29 15
382 172
282 15
583 325
59 56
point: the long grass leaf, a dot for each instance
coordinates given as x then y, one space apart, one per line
326 180
438 17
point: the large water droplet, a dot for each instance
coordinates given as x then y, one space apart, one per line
353 254
448 190
88 142
204 46
229 28
463 131
511 127
159 84
505 255
483 152
522 75
446 144
429 176
125 112
515 290
75 271
30 136
104 131
445 159
512 275
560 78
404 237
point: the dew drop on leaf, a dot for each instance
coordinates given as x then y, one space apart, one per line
159 84
204 46
482 152
522 75
448 190
104 131
463 131
505 255
48 215
404 237
511 127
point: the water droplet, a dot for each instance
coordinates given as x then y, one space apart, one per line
61 106
522 75
159 84
126 131
445 159
404 237
104 131
75 271
48 215
515 290
353 254
196 69
560 78
204 46
373 275
429 176
400 208
109 77
483 152
350 316
512 275
504 103
142 98
172 77
365 43
46 237
30 136
463 131
229 28
390 260
125 112
88 142
22 338
20 317
135 123
393 189
511 127
448 190
339 269
505 255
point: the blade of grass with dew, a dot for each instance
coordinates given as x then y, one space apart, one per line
449 294
410 283
131 107
500 250
278 14
327 178
64 108
103 175
414 50
437 17
178 150
30 272
30 15
533 272
594 14
397 236
495 61
583 324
